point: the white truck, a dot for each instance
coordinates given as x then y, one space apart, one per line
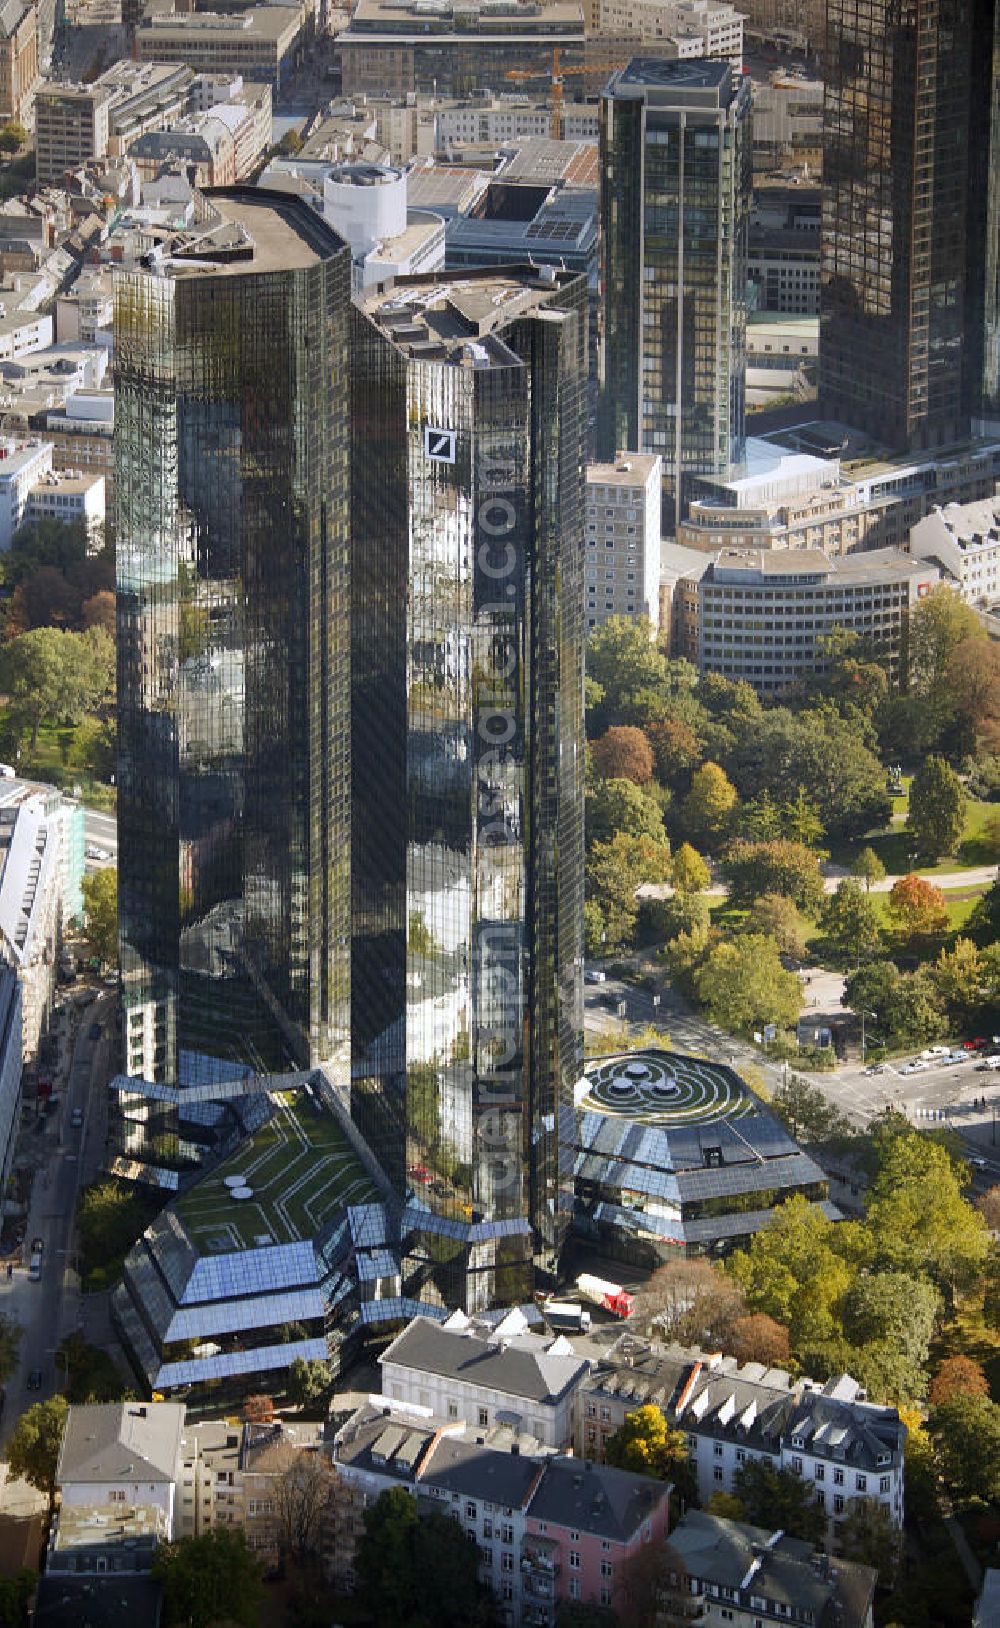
567 1314
610 1296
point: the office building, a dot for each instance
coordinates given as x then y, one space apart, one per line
71 126
233 659
675 1156
763 615
675 206
366 204
467 659
259 42
783 258
623 539
904 106
686 28
399 46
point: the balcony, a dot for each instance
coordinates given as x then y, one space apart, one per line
540 1558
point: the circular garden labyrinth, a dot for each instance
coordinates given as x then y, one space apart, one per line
665 1088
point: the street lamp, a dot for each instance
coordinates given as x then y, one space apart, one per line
865 1014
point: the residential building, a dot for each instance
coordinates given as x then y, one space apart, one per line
783 255
72 497
494 120
548 1528
233 650
687 28
905 104
71 126
203 145
22 466
964 540
18 59
367 205
674 286
623 539
81 433
466 661
763 614
259 42
84 311
742 1574
674 1155
453 50
251 102
486 1375
846 1449
122 1453
586 1523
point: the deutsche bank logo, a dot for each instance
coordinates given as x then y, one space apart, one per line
439 446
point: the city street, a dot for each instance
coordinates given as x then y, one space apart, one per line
65 1159
100 831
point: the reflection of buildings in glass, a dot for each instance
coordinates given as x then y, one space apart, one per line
908 98
233 650
676 163
468 408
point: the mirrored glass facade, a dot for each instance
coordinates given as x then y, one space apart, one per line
233 643
905 123
983 236
676 161
469 402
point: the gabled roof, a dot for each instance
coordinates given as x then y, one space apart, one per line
595 1498
121 1441
524 1366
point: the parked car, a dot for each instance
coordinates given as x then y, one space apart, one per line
76 1118
979 1044
989 1065
978 1161
595 976
35 1379
958 1057
936 1051
875 1068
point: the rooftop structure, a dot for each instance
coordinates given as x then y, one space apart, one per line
671 1152
258 42
117 1442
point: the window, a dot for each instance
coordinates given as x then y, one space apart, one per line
861 1482
506 1562
797 1466
607 1569
487 1555
605 1596
471 1511
717 1449
838 1478
885 1483
574 1560
484 1417
574 1588
838 1503
717 1474
506 1534
487 1528
116 1496
819 1470
453 1410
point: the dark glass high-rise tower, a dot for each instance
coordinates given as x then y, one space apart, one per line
469 413
676 162
233 642
909 88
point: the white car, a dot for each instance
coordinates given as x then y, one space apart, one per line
595 976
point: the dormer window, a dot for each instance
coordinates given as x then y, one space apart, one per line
798 1441
883 1458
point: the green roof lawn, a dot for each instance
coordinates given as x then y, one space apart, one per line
301 1169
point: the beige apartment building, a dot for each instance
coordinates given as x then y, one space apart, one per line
18 59
622 566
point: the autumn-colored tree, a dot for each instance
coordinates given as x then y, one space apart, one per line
690 873
759 1338
776 917
677 749
972 680
99 611
668 1293
648 1444
957 1376
623 753
989 1208
917 907
707 808
259 1409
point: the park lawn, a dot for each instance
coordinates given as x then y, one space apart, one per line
894 845
967 1335
54 762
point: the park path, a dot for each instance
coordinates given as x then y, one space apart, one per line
975 876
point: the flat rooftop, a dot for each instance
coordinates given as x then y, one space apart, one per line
256 231
459 319
685 79
298 1169
628 469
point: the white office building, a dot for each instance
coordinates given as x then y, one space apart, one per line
623 538
964 540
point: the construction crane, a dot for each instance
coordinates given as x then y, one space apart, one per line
558 76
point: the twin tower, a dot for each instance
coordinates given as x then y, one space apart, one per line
350 698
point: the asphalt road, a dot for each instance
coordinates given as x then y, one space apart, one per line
101 831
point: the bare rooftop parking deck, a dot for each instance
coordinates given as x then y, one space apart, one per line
256 232
299 1169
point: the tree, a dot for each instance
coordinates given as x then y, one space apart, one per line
647 1444
13 136
849 922
758 1338
707 808
938 806
210 1578
801 821
907 1006
10 1341
892 1306
959 975
33 1448
676 748
623 753
868 868
308 1382
16 1595
868 1536
99 611
304 1492
52 676
917 907
689 873
972 683
776 1498
938 624
794 1270
743 985
809 1115
622 658
784 867
989 1208
91 1376
919 1221
619 807
829 756
965 1431
615 869
667 1295
957 1376
418 1571
774 916
578 1614
100 903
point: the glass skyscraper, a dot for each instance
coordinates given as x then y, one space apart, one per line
676 163
233 643
469 415
909 125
